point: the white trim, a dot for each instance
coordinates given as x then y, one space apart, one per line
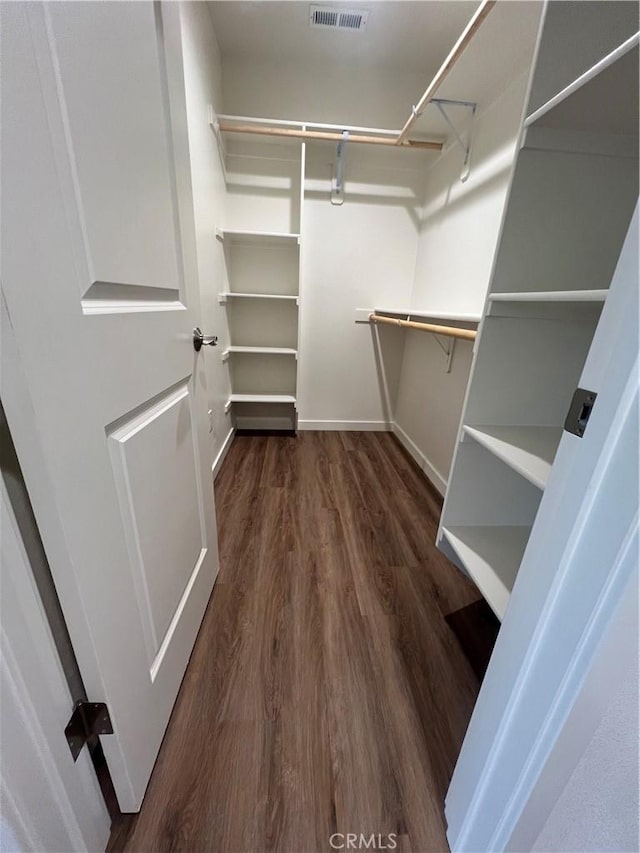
620 578
226 444
616 659
48 802
347 426
427 468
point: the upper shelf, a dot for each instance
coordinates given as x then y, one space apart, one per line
548 304
551 296
223 297
257 238
602 100
434 315
260 350
529 450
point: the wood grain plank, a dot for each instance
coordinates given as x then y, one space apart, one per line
326 692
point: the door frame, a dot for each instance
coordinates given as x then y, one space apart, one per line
45 797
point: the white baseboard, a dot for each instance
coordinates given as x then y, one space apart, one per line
335 426
347 426
428 469
226 444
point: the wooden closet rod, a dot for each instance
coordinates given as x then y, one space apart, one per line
469 31
367 139
449 331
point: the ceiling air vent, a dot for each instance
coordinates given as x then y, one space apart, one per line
327 17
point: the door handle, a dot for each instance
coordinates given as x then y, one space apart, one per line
201 340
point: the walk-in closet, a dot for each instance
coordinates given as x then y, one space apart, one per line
330 446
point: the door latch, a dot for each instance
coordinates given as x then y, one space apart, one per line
87 720
580 411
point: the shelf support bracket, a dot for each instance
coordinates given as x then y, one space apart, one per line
447 350
462 140
337 184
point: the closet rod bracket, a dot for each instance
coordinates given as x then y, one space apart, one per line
447 350
337 184
463 140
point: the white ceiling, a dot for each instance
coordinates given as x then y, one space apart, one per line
401 34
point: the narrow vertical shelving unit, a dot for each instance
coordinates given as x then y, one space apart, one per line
572 197
261 242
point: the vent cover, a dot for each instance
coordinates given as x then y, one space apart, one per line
328 17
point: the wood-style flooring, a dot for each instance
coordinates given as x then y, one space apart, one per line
326 692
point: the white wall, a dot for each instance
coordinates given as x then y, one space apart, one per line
598 809
458 236
203 84
374 97
363 254
587 796
360 254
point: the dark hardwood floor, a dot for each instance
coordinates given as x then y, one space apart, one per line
326 692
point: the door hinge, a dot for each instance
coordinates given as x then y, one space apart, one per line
580 411
87 720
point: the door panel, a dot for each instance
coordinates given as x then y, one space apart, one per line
160 508
112 95
100 291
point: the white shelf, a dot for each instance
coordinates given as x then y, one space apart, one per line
435 315
580 142
621 76
261 351
262 398
222 297
258 238
551 296
492 557
529 450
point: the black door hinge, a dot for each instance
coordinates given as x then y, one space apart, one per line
580 411
87 720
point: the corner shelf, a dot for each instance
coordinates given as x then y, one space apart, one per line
492 557
528 450
258 238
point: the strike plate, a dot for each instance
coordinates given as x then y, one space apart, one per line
580 411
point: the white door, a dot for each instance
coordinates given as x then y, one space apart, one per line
104 393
